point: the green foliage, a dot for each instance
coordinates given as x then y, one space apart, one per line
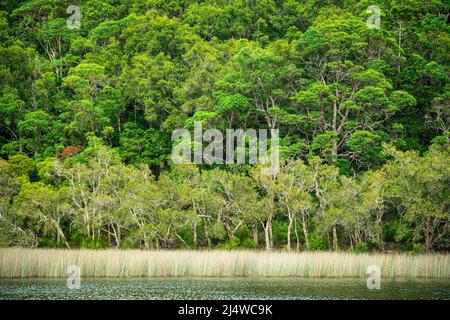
86 117
21 165
233 243
418 248
317 243
248 244
361 247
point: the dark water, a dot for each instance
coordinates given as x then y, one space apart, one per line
220 288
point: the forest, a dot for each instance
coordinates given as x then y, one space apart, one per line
87 113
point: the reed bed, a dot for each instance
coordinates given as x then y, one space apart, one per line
53 263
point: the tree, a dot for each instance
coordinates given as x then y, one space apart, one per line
263 78
291 189
294 193
417 188
86 187
236 193
266 183
86 115
325 180
47 208
345 96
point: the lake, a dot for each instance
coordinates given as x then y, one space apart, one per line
223 288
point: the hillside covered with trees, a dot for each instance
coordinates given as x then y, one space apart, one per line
87 114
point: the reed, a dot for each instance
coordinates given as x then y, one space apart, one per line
51 263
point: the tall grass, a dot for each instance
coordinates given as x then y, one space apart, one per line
137 263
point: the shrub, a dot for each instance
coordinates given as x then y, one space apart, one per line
361 247
248 244
316 242
417 248
231 244
279 232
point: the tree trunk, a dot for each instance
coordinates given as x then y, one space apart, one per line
289 232
255 234
195 233
428 238
305 230
335 241
229 229
146 245
266 237
86 222
379 233
116 235
268 232
296 235
208 239
269 227
399 46
61 233
334 126
119 237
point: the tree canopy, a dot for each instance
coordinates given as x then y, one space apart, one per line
86 117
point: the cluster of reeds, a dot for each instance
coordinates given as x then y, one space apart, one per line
15 262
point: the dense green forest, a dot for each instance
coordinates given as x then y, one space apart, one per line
86 117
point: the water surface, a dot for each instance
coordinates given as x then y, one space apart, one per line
223 288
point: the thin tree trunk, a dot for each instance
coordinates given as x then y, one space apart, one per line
61 233
305 230
146 245
266 238
270 233
208 239
399 47
427 236
296 235
289 232
195 233
379 233
119 237
229 229
335 241
266 235
255 234
334 124
116 236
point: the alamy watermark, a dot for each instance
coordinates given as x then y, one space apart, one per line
74 21
188 150
374 20
374 277
74 279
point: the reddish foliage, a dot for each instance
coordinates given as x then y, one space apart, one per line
69 151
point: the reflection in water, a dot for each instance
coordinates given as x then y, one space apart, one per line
224 288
